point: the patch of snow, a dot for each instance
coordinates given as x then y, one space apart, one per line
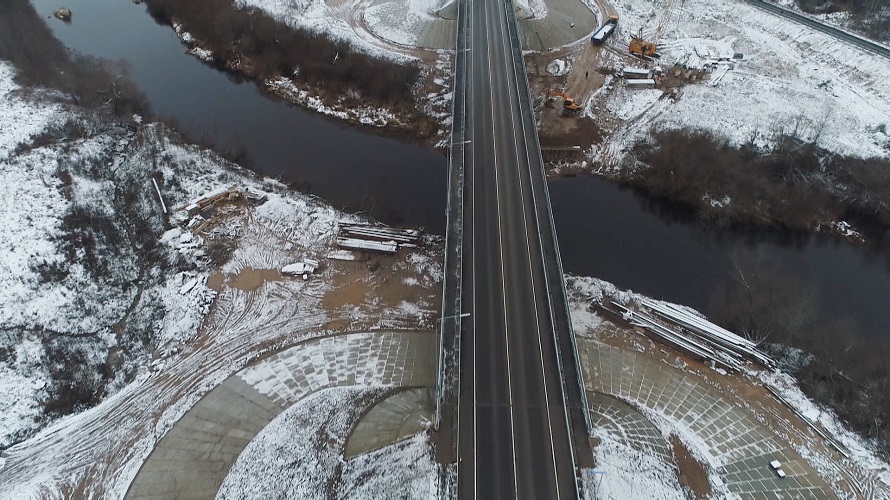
558 67
625 473
202 54
22 118
335 21
633 103
366 115
722 202
402 470
299 453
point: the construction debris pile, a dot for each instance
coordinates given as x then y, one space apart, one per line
690 334
365 237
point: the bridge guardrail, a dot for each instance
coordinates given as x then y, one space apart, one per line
447 389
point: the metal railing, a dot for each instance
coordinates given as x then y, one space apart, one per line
448 373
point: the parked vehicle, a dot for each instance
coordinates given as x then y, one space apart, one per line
605 31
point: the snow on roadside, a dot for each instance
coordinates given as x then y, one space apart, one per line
402 470
625 473
297 454
866 464
300 455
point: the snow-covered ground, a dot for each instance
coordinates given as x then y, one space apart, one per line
625 473
300 455
169 350
864 470
792 79
338 20
841 19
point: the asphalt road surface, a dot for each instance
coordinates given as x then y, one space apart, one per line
514 438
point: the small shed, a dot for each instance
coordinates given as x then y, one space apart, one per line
635 73
646 83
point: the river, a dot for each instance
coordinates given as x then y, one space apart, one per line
604 231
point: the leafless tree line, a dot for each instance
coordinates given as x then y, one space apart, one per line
793 186
835 363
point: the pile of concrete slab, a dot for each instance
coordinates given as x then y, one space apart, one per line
690 334
365 237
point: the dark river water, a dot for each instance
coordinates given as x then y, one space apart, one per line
604 231
355 171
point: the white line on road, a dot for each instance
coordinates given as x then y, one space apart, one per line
509 61
475 327
501 245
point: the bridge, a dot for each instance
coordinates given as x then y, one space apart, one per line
510 386
510 400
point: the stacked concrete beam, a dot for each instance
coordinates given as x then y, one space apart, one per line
741 446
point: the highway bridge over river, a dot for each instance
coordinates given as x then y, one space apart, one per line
511 393
510 399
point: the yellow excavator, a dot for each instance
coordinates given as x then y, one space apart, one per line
640 46
569 106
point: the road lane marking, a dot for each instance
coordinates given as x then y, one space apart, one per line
488 45
471 84
510 62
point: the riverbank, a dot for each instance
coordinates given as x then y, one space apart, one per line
801 117
398 94
102 284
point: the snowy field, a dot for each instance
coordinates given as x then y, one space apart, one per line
340 20
840 19
791 79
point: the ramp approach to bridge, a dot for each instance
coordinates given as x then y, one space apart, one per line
520 419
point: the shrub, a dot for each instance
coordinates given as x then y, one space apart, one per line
41 59
77 378
841 369
792 187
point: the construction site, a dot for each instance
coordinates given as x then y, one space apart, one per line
572 80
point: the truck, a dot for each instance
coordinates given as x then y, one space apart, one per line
605 31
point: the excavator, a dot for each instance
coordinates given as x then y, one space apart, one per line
640 46
569 106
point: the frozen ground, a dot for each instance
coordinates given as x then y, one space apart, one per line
169 355
863 472
625 473
300 455
791 79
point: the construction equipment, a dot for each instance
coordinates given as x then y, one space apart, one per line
569 106
640 46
